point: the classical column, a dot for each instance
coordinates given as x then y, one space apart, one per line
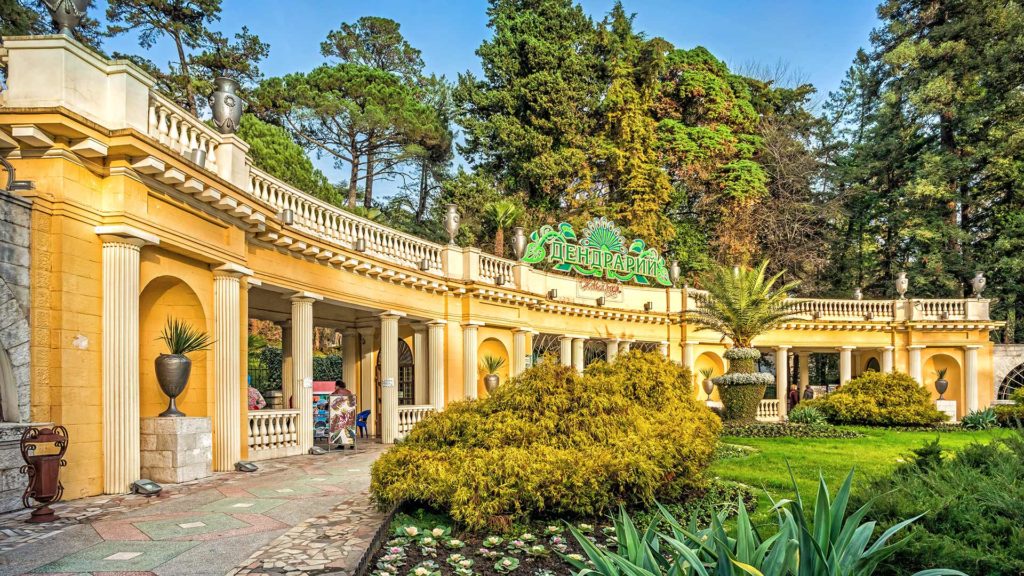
565 350
120 364
624 346
227 378
389 376
577 354
435 331
914 368
887 359
350 359
663 348
302 364
857 367
845 353
518 351
469 359
782 378
971 376
287 386
368 376
688 358
805 371
611 347
419 366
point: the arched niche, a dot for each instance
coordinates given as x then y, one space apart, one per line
930 373
872 364
169 297
490 347
705 361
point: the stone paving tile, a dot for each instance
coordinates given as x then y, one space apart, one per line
212 525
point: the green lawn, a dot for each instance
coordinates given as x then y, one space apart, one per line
875 454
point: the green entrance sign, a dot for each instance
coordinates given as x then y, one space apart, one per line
599 251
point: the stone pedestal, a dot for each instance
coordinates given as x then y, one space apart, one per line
947 407
12 481
175 450
275 400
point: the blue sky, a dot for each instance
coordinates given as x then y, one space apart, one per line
814 39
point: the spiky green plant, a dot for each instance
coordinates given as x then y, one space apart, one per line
743 303
941 373
491 364
825 541
707 372
503 214
181 338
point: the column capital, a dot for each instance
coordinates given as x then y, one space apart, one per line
782 348
391 314
127 234
437 323
367 330
889 348
613 340
846 348
691 342
916 347
419 327
303 296
472 324
524 329
233 270
252 282
972 347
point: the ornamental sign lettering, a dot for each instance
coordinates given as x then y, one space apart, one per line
599 251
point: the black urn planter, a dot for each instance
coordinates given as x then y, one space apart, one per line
172 372
941 385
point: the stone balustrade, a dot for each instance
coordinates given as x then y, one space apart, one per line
768 411
172 126
273 434
852 310
494 269
409 416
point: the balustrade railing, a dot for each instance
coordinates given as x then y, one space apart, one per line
273 433
345 228
409 416
846 309
939 309
492 268
171 125
768 411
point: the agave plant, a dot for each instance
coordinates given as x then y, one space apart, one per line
491 364
743 303
825 542
181 338
503 214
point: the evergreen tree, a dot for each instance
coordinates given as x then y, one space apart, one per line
30 18
272 149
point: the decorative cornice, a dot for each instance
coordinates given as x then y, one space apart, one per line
122 231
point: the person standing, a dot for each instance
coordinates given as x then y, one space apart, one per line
792 398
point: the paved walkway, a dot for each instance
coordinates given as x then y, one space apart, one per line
299 515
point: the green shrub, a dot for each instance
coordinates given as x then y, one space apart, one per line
980 419
1017 395
879 399
782 430
742 388
975 508
806 415
1009 415
555 443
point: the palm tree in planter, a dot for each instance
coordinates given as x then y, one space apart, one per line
174 368
503 214
743 303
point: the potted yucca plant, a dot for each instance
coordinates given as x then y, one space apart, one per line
491 365
173 369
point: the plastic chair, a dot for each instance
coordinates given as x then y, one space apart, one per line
361 422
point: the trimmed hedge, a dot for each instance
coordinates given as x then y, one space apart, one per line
781 430
1010 415
878 399
554 443
742 388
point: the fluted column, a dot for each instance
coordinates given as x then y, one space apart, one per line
578 358
227 378
624 346
419 366
287 386
469 359
350 360
688 359
914 362
518 351
120 364
887 359
611 348
565 350
663 348
845 361
435 331
805 371
367 377
302 364
782 378
389 376
971 376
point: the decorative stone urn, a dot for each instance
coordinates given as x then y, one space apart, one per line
172 372
858 294
978 284
226 105
518 241
902 284
941 384
491 382
67 14
674 272
452 219
709 386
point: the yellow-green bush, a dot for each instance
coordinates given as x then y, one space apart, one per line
555 443
878 399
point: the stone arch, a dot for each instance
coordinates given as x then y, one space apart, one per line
1014 380
15 384
171 297
873 365
491 347
705 361
954 375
